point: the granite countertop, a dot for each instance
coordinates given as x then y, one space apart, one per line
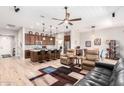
37 50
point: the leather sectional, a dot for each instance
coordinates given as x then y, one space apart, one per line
104 75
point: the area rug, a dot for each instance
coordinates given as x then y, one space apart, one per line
61 76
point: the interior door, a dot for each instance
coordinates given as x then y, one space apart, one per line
6 45
67 43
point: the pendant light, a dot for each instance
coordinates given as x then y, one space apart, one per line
51 33
56 30
43 31
93 31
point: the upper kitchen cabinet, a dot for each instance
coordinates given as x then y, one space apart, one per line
45 40
33 39
37 39
51 40
27 39
40 37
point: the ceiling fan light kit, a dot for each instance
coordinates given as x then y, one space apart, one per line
67 19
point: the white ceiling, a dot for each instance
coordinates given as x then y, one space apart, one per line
29 16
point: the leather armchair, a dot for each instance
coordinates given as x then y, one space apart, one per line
67 58
91 57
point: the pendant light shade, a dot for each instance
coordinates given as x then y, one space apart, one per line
51 38
51 33
44 38
93 31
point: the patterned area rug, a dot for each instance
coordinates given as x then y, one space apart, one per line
61 76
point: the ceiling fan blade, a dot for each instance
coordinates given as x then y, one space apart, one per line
70 23
61 23
76 19
57 19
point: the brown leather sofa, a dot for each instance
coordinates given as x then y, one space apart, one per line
91 57
68 58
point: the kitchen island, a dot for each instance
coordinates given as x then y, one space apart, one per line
42 55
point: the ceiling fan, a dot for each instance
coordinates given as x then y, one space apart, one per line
67 19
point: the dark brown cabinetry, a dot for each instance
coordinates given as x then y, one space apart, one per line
45 40
52 40
34 56
32 39
27 39
27 53
40 37
37 37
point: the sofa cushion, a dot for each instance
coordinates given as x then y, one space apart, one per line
94 52
65 58
99 75
89 63
86 82
97 80
88 67
104 71
92 57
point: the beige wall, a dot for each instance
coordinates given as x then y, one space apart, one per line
105 34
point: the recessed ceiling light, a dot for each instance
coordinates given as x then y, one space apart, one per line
52 27
31 27
37 24
7 26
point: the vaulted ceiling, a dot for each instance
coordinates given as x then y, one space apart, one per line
29 17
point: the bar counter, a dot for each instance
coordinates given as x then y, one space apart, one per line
42 55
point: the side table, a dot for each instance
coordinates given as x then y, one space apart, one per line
79 61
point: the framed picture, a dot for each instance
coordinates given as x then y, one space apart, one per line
97 41
87 43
